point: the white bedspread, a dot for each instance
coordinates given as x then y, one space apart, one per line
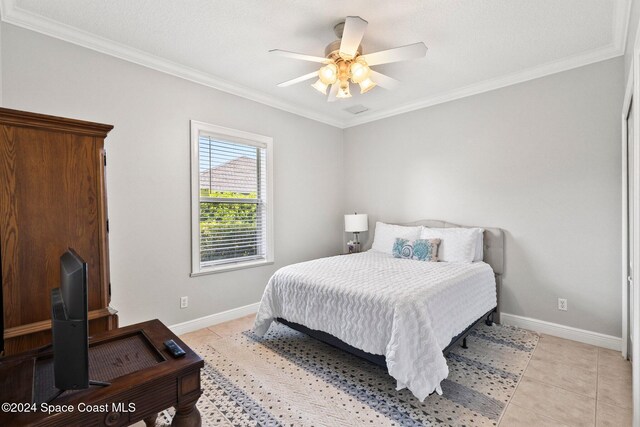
404 309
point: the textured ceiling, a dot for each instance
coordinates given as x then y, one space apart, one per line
474 45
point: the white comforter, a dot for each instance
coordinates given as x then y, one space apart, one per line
404 309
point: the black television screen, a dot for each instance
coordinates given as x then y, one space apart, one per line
70 324
73 285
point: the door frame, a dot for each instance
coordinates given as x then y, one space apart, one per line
628 97
635 366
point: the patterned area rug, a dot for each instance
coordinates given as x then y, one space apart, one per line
289 379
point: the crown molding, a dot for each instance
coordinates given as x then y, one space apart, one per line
621 25
492 84
14 15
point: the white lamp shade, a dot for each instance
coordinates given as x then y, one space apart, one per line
356 223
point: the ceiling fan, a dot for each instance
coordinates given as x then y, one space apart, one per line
344 62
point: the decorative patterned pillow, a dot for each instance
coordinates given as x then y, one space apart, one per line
419 249
386 234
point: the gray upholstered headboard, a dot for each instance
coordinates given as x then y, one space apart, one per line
493 251
493 242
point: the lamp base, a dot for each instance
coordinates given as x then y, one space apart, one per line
356 243
353 247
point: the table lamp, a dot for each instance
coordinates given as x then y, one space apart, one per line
355 224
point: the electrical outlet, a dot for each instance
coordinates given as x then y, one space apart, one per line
184 302
562 304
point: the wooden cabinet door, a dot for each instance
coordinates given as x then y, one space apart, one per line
51 199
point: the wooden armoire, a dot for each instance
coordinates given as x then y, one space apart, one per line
52 197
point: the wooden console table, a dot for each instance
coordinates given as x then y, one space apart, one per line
145 379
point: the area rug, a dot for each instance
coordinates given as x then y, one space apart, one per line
289 379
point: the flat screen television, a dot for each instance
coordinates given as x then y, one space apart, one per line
70 324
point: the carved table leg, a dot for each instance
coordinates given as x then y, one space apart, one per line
150 421
187 415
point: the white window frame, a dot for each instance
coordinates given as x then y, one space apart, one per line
237 136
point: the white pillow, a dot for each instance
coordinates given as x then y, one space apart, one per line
457 244
386 235
479 255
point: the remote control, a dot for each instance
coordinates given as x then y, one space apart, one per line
174 348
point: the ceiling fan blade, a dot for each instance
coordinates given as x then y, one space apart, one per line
354 28
333 92
301 56
298 79
403 53
383 80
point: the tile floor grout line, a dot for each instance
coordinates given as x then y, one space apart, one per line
545 416
597 397
548 385
520 380
552 386
566 388
562 388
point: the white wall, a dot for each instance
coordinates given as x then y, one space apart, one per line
539 159
632 29
148 171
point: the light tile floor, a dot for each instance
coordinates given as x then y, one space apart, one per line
566 383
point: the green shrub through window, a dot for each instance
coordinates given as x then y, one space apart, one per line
231 199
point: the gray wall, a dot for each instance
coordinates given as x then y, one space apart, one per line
148 171
539 159
632 29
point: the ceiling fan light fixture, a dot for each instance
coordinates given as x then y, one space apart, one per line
343 91
366 85
345 57
320 87
328 74
359 71
344 62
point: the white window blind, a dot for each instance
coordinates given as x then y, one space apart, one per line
232 205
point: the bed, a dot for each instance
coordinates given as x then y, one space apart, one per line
402 313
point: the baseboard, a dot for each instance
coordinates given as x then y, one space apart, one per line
213 319
555 329
562 331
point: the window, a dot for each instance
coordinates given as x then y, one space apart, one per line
231 195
